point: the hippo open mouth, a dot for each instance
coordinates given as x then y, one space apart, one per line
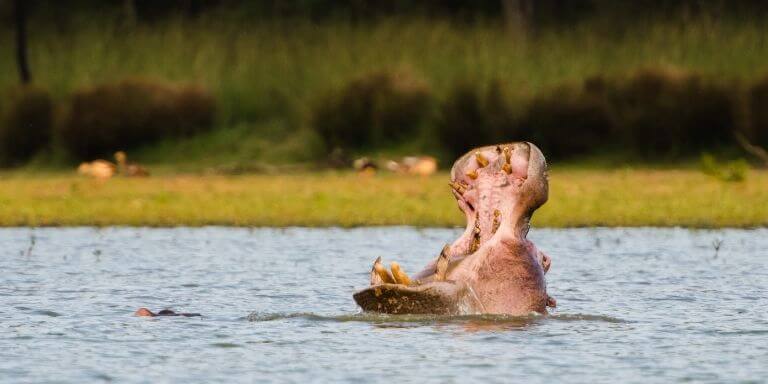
492 267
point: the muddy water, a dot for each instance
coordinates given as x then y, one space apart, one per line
635 305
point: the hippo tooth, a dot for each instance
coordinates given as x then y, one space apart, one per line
507 155
384 275
441 267
375 278
457 187
481 160
472 175
507 168
400 276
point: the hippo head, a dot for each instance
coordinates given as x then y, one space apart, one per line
491 267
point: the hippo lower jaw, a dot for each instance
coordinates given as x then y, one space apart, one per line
439 298
492 267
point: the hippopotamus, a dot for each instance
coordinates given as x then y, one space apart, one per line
492 268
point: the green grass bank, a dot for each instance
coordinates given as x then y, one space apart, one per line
578 197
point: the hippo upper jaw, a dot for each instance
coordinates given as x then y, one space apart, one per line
492 267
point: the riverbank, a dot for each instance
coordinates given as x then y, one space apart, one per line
578 197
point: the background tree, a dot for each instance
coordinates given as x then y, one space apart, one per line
20 18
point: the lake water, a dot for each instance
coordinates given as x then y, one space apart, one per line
634 305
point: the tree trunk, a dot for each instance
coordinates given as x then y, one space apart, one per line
21 41
129 12
517 16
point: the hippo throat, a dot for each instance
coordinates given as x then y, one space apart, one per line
491 267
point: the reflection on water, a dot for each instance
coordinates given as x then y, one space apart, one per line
487 322
634 305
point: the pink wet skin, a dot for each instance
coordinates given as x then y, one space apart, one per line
497 188
144 312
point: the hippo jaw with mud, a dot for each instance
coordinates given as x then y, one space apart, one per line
491 267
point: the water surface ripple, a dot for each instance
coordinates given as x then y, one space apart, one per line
635 305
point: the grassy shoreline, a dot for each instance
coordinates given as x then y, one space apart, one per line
578 197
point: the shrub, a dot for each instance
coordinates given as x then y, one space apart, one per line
569 122
758 112
471 118
653 112
129 113
732 171
376 109
25 124
670 113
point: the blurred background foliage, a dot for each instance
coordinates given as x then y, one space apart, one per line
243 84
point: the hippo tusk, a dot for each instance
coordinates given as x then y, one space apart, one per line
379 274
441 266
400 276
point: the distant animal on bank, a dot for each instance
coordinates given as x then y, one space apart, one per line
124 168
98 169
365 166
103 169
414 165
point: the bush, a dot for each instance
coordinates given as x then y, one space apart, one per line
130 113
758 113
732 171
377 109
570 122
25 124
669 113
471 118
653 112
